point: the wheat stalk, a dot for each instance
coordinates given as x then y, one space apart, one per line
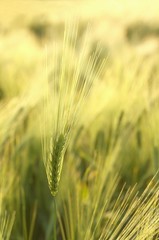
6 224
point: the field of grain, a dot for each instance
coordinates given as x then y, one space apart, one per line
79 114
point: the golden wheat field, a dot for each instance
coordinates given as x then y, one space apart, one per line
79 120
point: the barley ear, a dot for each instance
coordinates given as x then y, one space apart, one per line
57 150
71 74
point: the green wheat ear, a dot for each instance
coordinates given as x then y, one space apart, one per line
56 160
71 75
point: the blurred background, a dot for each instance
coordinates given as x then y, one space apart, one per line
114 23
123 28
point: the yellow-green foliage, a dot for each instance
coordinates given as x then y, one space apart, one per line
6 183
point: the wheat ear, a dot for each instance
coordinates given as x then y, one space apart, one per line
70 83
56 158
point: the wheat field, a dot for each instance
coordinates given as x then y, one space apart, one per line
79 114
